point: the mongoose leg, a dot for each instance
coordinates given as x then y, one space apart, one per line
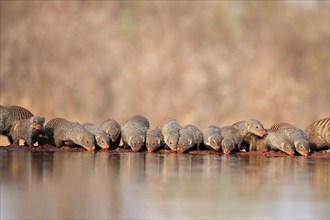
15 141
58 142
10 139
28 142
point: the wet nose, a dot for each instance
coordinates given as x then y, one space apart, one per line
262 133
226 152
135 149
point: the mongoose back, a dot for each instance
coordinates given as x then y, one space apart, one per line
101 138
8 116
231 139
275 140
61 131
318 134
134 132
212 137
190 136
248 127
154 139
297 136
27 129
170 128
113 129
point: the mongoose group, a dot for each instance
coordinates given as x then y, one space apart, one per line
18 123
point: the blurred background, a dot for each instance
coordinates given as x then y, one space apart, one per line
200 62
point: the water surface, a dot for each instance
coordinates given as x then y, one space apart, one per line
84 185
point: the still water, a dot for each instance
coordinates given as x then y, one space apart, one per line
84 185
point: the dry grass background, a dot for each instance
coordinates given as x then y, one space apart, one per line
200 62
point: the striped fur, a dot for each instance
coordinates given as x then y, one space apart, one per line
61 131
295 135
9 115
318 133
280 125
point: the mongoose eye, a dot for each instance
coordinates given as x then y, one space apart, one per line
153 144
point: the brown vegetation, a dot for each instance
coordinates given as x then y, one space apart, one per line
214 62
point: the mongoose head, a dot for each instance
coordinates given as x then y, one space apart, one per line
185 142
228 146
102 141
152 142
136 142
172 140
287 147
37 123
255 127
214 141
113 132
302 147
86 140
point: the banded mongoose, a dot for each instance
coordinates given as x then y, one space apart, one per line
101 138
249 127
112 128
318 134
190 136
297 136
27 130
212 137
61 131
231 139
274 140
170 128
134 132
154 139
8 116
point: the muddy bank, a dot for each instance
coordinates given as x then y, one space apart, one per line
50 148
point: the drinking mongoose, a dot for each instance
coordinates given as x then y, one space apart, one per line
250 126
27 130
212 137
134 132
170 128
101 138
231 139
190 136
297 136
61 131
112 128
274 140
318 134
154 139
8 116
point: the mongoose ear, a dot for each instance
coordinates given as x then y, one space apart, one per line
80 138
97 137
158 141
190 141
